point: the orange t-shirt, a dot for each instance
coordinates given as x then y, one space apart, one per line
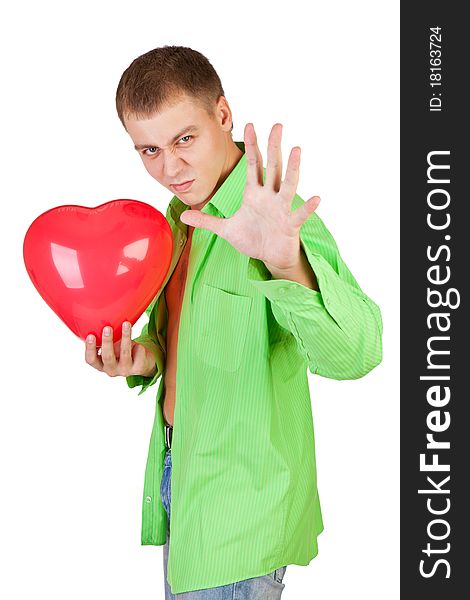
174 291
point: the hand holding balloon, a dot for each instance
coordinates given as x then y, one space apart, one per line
124 357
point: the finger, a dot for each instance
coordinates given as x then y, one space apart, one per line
107 351
254 160
289 185
274 164
301 214
91 356
196 218
125 354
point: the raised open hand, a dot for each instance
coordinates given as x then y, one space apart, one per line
264 227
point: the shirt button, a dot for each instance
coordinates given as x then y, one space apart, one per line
282 290
148 499
181 241
327 299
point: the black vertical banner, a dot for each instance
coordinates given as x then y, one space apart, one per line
434 262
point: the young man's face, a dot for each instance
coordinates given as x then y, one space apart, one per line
182 143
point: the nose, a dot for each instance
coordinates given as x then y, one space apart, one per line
172 165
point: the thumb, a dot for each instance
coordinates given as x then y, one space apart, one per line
196 218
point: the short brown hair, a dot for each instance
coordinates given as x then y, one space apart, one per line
161 76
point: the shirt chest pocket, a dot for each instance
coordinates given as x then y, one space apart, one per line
220 327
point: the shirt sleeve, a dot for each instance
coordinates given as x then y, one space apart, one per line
338 328
148 338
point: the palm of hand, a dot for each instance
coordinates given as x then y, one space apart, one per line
264 227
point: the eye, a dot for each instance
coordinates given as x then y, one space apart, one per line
150 148
154 150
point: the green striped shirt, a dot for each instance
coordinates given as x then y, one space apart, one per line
244 485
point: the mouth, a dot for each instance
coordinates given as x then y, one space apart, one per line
182 187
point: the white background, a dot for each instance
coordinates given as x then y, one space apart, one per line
73 442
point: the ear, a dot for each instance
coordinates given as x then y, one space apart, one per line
224 114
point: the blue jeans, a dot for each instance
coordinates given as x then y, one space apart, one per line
265 587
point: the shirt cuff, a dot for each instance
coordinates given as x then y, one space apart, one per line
145 382
291 296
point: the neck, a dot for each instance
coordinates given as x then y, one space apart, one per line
234 154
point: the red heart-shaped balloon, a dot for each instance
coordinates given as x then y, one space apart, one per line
98 266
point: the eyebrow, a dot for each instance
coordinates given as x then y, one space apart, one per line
182 132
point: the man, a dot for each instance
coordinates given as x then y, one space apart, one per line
256 293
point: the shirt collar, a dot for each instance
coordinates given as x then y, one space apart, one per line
227 198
